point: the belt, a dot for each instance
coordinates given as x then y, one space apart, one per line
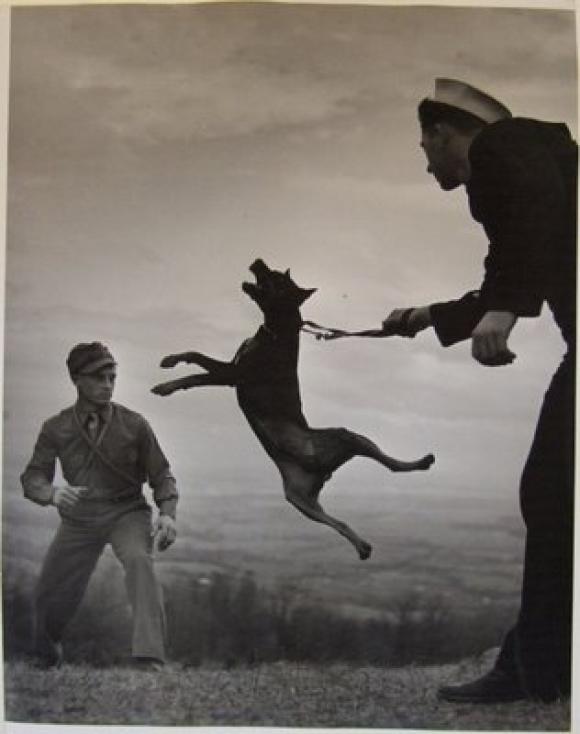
100 496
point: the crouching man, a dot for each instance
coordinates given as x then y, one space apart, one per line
106 453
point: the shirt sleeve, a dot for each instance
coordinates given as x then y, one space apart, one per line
38 476
521 202
158 472
453 321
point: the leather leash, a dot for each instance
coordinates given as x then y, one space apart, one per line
327 332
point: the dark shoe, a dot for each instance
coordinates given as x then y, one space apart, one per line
494 687
51 656
148 664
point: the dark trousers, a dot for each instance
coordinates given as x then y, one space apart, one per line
538 648
72 557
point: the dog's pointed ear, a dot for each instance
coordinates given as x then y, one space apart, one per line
306 293
287 273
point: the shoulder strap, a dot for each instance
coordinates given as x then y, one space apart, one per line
97 451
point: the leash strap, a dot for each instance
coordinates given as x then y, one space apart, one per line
327 333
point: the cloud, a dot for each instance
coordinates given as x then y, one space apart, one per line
196 73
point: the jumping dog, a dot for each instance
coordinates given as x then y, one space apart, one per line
264 372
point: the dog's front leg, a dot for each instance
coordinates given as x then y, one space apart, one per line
184 383
224 373
208 363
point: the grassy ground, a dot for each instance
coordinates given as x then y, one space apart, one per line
281 694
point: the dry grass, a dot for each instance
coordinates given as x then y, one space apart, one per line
281 694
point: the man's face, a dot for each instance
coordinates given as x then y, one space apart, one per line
97 387
435 142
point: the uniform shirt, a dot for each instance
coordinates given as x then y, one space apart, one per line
522 189
113 465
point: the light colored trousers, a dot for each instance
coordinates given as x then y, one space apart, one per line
72 557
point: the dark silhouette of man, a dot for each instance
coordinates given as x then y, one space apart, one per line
520 176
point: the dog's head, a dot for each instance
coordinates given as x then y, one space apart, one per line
273 290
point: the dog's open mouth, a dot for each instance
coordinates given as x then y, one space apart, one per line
251 289
260 271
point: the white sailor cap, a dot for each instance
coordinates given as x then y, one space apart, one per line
464 97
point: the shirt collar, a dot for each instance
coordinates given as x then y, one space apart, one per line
83 410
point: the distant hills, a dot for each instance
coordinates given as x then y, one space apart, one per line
466 551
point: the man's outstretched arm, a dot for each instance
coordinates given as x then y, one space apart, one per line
454 321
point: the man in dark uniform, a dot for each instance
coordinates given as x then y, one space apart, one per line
106 452
520 176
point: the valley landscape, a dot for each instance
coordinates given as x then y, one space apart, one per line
463 551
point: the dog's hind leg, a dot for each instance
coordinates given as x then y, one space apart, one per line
301 489
362 446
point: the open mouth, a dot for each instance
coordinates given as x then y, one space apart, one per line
250 288
260 270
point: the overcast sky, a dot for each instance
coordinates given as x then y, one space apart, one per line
154 152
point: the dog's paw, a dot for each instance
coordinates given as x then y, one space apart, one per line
170 361
162 389
364 550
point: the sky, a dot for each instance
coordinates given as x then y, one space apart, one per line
156 151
